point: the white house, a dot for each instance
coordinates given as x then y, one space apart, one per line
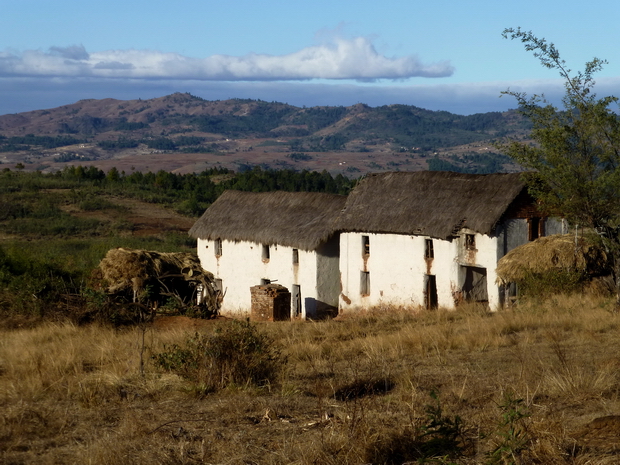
432 238
246 239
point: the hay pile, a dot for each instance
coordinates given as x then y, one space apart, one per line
132 270
557 252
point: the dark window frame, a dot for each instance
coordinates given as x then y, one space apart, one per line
365 246
365 283
429 250
217 247
470 241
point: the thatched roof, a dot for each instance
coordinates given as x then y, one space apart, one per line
297 219
430 203
549 253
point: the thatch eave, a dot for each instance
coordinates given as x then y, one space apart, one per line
303 220
429 203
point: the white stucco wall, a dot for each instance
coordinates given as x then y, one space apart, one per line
397 270
398 267
241 266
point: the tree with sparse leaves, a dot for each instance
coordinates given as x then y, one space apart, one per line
575 161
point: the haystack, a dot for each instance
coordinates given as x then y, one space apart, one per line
177 274
557 252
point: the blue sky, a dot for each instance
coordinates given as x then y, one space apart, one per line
440 55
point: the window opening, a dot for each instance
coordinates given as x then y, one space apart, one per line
429 252
470 241
217 247
534 228
295 257
296 300
365 283
265 252
365 246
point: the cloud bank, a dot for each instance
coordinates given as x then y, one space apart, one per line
25 94
355 59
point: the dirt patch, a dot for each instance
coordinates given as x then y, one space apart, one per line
146 218
149 218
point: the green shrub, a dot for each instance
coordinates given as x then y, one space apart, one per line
236 353
96 203
552 282
512 435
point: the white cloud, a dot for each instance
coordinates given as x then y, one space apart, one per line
354 58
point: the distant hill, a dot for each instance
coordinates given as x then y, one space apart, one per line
184 132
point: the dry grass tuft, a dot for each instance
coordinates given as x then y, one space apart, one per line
527 384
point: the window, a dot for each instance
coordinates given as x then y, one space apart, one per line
365 246
265 252
429 252
535 228
365 283
296 300
470 241
295 257
217 247
217 284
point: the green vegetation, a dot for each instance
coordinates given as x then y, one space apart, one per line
124 125
473 163
575 163
300 156
30 141
120 143
59 226
188 193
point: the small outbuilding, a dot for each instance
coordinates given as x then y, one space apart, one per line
286 238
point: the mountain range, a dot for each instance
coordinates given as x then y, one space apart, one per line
184 133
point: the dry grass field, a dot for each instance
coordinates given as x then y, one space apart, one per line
536 384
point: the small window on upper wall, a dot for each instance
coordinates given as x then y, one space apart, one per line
470 241
429 252
365 246
295 257
217 247
265 254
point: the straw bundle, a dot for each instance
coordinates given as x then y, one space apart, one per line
557 252
127 270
